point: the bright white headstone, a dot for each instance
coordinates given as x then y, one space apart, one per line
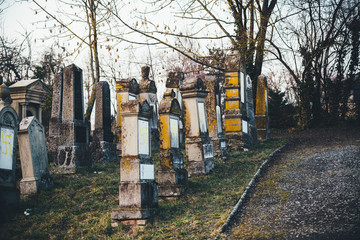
144 146
245 128
202 117
174 133
6 148
147 172
242 87
218 119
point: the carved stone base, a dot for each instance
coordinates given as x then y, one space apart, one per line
69 158
171 181
103 152
235 141
33 185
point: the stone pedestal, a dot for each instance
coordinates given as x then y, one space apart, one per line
261 114
33 157
69 132
172 174
126 90
198 145
9 195
138 192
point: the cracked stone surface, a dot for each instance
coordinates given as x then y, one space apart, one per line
311 191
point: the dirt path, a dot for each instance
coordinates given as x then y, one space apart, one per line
312 190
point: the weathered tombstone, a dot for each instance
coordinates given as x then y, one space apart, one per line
9 194
251 136
213 107
103 150
138 191
198 144
172 174
126 90
33 157
29 97
69 131
261 114
234 108
148 92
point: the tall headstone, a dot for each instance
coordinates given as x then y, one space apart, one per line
261 114
213 104
250 111
172 174
103 150
33 157
126 90
173 82
69 131
9 194
148 92
198 144
138 191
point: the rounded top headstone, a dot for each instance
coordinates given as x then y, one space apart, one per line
4 90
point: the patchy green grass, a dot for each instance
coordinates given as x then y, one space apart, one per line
80 204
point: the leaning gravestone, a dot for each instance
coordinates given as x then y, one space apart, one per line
138 191
172 174
8 129
103 150
33 157
198 144
68 130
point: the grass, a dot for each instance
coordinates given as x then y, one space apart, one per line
79 206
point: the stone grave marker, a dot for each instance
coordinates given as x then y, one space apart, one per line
198 144
261 114
9 194
172 174
103 150
251 129
33 157
138 191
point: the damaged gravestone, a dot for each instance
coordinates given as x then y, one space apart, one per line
261 114
9 195
33 157
172 174
198 144
138 191
103 150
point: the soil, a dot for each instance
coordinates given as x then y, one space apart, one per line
311 190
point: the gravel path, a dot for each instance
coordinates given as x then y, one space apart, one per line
312 191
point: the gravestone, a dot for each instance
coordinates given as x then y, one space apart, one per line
126 90
138 191
33 157
261 114
172 174
9 194
69 131
251 136
148 92
173 82
214 113
198 144
103 150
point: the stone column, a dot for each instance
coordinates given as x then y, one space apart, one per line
198 145
172 174
73 133
103 150
261 114
126 89
138 191
33 157
9 195
252 131
148 92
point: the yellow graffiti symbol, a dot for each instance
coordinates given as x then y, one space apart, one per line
143 135
4 140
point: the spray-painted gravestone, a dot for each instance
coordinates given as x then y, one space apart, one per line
103 150
261 114
198 145
8 130
148 92
33 157
249 129
126 90
68 131
172 173
138 191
